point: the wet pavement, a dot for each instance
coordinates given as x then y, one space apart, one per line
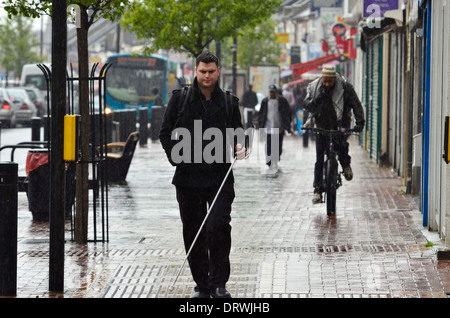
283 246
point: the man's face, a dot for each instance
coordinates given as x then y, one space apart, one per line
328 82
207 74
273 94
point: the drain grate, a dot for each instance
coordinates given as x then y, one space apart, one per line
36 241
153 280
332 248
326 295
35 253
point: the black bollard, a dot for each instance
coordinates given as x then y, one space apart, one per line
127 121
155 122
36 129
46 120
8 229
143 126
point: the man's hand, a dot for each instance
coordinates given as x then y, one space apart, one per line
241 152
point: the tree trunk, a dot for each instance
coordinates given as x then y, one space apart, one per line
82 176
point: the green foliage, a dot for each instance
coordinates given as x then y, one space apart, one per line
254 46
191 25
107 9
26 8
90 10
16 43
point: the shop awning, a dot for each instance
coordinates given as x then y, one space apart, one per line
300 68
286 73
312 75
299 81
386 25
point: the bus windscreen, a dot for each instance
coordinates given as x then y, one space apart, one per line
133 80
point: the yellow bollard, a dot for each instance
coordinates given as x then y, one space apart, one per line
70 138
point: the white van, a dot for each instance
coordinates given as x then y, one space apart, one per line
33 76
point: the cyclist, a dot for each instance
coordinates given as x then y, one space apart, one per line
330 100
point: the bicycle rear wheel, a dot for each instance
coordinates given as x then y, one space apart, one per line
332 173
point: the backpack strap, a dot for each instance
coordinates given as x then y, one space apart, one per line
185 93
229 107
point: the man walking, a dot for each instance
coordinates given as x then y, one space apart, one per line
197 180
275 117
249 101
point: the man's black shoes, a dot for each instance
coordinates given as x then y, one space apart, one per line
216 293
200 294
220 293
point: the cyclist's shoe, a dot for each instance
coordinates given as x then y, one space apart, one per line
348 173
317 198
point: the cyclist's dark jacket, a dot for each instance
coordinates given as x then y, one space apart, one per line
212 114
319 102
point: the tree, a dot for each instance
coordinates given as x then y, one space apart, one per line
255 46
88 12
191 25
15 53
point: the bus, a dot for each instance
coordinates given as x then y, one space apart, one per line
135 81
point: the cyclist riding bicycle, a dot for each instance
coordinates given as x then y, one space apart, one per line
330 100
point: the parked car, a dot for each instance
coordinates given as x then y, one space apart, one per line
7 110
37 98
26 108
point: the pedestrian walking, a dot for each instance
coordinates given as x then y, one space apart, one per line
331 99
289 95
275 117
249 101
157 97
197 181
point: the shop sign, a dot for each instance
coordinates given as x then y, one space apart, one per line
377 8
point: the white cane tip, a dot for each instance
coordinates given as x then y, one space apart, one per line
171 287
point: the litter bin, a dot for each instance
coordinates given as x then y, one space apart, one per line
38 172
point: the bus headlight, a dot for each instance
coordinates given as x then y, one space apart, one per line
107 110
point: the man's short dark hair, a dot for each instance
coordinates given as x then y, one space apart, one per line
207 57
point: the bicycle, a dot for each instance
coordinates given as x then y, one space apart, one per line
331 176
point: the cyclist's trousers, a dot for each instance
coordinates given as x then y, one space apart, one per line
341 146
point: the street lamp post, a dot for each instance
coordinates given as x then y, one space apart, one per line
234 50
57 169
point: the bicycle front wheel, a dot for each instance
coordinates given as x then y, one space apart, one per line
332 173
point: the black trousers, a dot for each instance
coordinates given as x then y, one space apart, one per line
209 259
342 148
